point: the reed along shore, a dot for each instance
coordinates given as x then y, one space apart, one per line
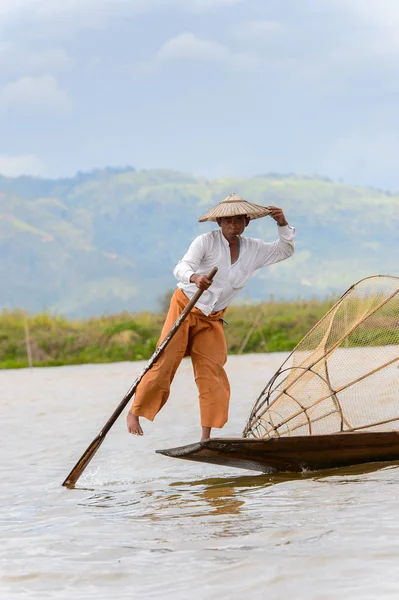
47 339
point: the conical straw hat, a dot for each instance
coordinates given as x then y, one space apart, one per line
232 206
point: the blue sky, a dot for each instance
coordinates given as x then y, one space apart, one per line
212 87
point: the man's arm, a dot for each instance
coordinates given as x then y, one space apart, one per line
185 270
273 252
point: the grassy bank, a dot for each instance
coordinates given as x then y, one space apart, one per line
54 340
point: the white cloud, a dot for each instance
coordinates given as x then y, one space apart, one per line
30 94
383 12
8 7
24 164
45 8
381 21
91 13
19 60
187 46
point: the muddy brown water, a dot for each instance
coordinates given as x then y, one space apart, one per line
141 525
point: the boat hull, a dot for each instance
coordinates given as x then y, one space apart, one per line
294 453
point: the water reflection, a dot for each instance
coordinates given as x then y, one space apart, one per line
265 480
244 481
354 473
222 500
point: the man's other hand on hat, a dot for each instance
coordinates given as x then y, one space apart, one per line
278 215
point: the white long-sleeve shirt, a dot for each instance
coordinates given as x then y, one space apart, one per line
212 250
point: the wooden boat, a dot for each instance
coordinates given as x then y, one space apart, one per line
334 398
293 453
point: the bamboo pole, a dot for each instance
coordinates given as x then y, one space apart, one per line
27 341
255 323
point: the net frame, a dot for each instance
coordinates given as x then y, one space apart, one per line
281 387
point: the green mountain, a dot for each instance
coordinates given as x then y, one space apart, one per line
108 240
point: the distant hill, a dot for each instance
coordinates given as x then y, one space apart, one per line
108 240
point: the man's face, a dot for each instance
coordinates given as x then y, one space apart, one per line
233 226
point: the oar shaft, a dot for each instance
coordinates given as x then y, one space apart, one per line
96 443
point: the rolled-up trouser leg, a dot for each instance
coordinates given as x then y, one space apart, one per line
208 354
153 390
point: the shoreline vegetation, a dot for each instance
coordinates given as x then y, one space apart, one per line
47 339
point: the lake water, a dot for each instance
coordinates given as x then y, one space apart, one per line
141 525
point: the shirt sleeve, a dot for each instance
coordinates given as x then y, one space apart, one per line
190 262
273 252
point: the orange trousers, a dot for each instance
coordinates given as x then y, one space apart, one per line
202 338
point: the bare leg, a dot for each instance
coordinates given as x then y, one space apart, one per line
133 424
206 433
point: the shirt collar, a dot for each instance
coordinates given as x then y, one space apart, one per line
225 242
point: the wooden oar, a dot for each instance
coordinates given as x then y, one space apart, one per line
96 443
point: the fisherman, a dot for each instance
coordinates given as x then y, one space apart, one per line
201 335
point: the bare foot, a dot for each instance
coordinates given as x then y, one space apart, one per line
206 433
133 424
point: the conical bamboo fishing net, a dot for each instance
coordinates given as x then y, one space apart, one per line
343 375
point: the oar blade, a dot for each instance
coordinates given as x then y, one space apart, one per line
83 462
